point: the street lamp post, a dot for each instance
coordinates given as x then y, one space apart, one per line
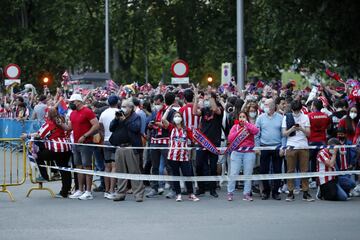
107 36
240 55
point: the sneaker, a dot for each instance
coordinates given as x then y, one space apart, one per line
76 194
312 185
318 193
307 197
354 193
178 198
40 179
230 197
56 177
171 194
152 193
193 198
59 195
357 188
86 196
109 196
284 189
160 191
247 197
290 197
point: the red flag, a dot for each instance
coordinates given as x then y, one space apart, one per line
334 75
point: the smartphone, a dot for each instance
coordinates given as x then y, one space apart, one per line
152 122
297 125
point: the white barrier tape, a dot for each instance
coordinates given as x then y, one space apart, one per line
205 178
220 148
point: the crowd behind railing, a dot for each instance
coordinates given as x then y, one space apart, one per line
265 114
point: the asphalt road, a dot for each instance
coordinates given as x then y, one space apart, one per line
42 217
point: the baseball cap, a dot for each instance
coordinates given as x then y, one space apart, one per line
112 100
75 97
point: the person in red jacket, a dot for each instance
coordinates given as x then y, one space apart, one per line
242 158
319 123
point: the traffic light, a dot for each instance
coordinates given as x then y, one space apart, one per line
210 79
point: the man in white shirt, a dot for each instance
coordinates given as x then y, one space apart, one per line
109 153
296 127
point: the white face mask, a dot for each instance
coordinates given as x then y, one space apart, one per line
266 110
124 109
206 103
252 114
177 120
353 115
158 107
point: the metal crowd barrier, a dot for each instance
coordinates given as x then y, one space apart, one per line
13 163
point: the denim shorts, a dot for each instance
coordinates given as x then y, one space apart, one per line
109 153
82 155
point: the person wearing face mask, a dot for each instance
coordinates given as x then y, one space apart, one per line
269 124
210 125
296 128
339 113
178 156
126 132
349 123
57 148
84 124
160 137
319 123
252 112
242 158
329 186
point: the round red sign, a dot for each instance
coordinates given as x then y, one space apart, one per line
179 68
12 71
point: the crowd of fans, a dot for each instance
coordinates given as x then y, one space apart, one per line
160 124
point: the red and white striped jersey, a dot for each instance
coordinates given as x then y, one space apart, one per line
323 156
190 120
56 136
343 162
178 142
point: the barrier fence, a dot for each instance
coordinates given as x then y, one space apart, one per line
13 163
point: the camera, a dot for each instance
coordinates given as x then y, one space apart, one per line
119 113
229 108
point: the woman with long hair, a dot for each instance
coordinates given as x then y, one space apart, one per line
242 158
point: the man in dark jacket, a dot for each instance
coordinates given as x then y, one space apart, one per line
125 130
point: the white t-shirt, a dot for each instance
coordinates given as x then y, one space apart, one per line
105 118
300 139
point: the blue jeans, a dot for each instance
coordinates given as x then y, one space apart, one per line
340 193
245 161
346 183
99 162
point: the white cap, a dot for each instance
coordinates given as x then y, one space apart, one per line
75 97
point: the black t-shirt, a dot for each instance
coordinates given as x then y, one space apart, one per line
211 125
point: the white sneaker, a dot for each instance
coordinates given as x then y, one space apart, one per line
296 191
354 193
312 185
76 194
109 196
284 189
357 188
86 196
178 198
160 191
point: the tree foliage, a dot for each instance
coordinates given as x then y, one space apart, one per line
146 36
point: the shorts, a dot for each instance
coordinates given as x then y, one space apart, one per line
82 155
109 153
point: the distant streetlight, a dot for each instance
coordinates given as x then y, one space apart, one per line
210 79
45 80
107 36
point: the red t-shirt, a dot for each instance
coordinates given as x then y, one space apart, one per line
319 122
80 121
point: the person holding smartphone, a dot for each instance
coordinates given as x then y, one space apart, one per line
296 128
